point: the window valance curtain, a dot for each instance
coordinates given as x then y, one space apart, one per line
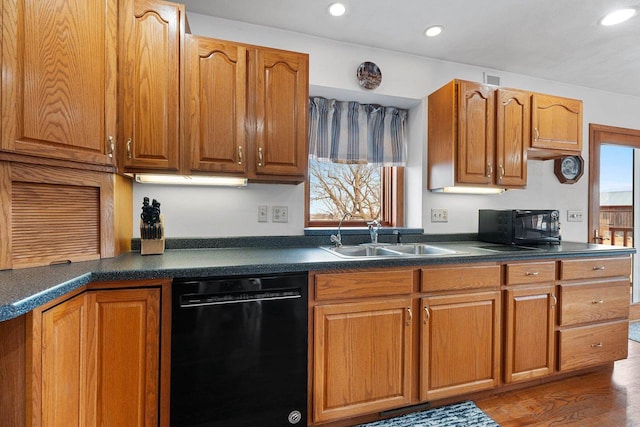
349 132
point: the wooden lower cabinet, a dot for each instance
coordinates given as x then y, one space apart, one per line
362 357
460 344
95 359
529 349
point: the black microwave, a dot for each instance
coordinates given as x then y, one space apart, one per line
518 226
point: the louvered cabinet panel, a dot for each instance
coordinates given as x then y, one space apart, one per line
50 215
54 223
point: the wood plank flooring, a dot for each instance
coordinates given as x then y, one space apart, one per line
599 399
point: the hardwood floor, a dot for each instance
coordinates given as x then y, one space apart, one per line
606 398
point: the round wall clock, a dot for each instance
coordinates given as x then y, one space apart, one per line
569 169
369 75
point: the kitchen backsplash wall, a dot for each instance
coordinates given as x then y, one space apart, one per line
407 80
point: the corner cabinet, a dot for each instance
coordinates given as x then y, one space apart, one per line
151 44
96 358
247 111
59 88
478 136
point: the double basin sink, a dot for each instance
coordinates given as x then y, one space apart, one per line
382 250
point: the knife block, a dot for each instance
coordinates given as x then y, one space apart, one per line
152 246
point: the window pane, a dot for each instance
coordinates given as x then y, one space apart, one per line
338 188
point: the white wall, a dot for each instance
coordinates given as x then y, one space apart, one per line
406 82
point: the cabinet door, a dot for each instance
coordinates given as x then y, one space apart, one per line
58 394
216 80
512 137
59 91
460 344
123 365
362 358
151 42
556 123
476 133
281 113
529 344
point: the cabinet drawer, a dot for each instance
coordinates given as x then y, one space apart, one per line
531 272
586 346
594 268
460 277
594 302
363 284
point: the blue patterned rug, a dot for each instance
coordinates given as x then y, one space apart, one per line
634 331
465 414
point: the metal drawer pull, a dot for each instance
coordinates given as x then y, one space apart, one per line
110 146
239 154
596 345
129 149
600 268
532 273
410 316
555 300
260 156
427 314
597 301
489 170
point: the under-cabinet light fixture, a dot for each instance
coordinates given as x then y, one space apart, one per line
618 16
191 180
469 190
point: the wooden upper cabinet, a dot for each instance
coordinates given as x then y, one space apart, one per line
476 133
512 137
556 124
152 34
478 136
216 109
59 99
281 114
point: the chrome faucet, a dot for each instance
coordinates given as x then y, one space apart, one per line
337 238
374 231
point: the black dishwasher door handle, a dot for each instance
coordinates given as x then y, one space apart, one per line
200 300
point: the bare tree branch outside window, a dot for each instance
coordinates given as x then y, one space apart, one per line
338 188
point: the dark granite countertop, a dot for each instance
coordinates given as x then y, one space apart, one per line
25 289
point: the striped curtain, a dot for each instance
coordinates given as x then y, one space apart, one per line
349 132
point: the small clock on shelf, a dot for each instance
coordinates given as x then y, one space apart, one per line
569 169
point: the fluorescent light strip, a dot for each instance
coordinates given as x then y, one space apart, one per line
190 180
618 16
469 190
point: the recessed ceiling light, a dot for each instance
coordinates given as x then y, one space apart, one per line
618 16
337 9
433 31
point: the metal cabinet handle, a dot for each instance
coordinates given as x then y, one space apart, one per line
260 156
599 268
501 172
598 345
129 149
555 300
427 315
410 316
597 301
536 134
110 146
532 273
489 170
239 154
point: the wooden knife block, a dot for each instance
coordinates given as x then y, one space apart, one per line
152 246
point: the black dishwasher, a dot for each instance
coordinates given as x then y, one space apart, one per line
239 351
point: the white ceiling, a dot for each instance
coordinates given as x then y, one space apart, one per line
558 40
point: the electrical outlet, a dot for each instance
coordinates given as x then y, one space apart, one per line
439 215
279 214
575 216
262 213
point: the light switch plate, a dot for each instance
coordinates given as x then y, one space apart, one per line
262 213
575 216
279 214
439 215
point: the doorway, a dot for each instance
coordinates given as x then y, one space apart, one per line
614 177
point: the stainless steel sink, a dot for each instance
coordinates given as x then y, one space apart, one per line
387 251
